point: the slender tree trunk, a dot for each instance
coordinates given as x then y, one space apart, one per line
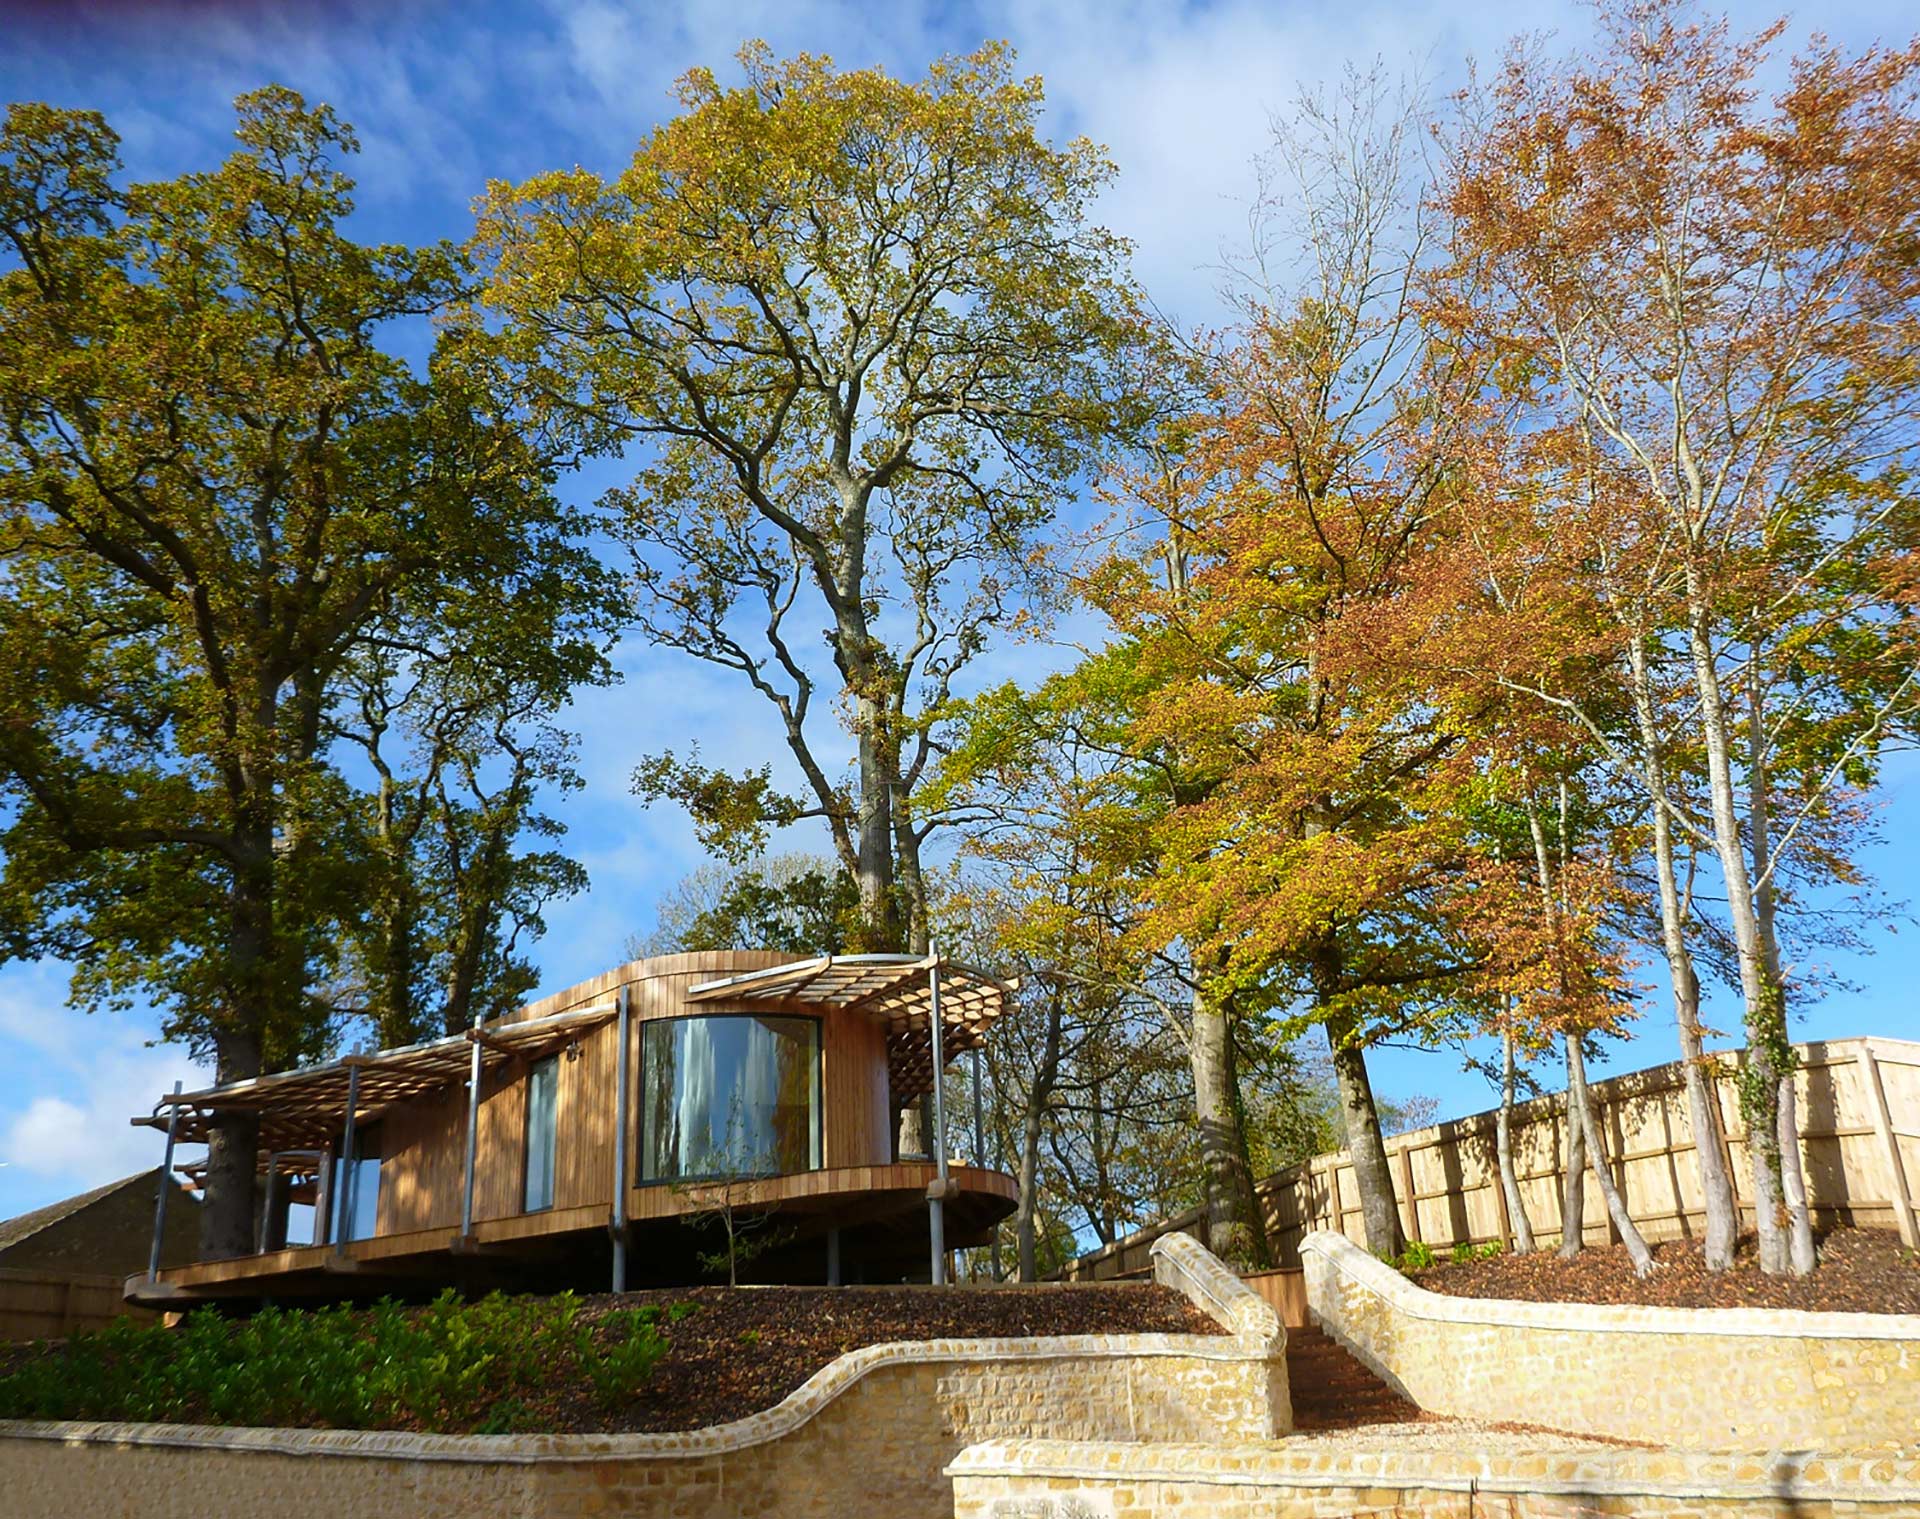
1039 1094
1793 1182
1769 1055
1581 1100
1703 1102
1573 1181
1522 1241
1372 1172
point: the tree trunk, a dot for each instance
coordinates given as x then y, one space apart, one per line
1231 1231
1582 1103
233 1157
1573 1181
1793 1182
1522 1241
1703 1102
1039 1095
1372 1172
1769 1055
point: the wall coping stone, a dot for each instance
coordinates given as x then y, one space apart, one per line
771 1424
1181 1262
1865 1478
1414 1301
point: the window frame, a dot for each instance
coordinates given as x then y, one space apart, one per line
817 1139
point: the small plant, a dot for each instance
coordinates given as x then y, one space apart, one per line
620 1358
1418 1257
749 1337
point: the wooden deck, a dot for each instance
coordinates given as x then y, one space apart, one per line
880 1208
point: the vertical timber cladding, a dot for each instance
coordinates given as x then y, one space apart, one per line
424 1139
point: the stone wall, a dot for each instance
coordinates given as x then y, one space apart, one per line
868 1434
1705 1379
1312 1480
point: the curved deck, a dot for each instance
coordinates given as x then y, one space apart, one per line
878 1211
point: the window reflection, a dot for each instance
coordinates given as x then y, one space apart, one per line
729 1096
543 1088
365 1187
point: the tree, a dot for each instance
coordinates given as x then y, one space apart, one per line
1721 301
868 335
1313 869
218 483
448 896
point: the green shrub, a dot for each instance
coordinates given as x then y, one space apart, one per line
1418 1257
451 1365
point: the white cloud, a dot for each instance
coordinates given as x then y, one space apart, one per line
71 1083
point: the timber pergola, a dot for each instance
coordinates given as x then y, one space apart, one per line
302 1111
306 1109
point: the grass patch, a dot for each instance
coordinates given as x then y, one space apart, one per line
453 1366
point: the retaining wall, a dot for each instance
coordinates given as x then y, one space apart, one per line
1306 1480
1700 1379
868 1434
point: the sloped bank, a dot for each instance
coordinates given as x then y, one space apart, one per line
1698 1379
870 1433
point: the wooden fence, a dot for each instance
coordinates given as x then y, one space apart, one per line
43 1305
1859 1109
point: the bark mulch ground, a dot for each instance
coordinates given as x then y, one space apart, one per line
744 1349
1860 1271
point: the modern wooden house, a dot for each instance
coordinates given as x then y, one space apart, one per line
593 1136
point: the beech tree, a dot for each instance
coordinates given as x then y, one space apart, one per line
1717 295
1278 610
217 483
865 335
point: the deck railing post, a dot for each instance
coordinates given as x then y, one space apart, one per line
937 1201
620 1105
349 1162
266 1204
473 1131
166 1186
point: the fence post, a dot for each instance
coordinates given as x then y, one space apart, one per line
1406 1186
1902 1199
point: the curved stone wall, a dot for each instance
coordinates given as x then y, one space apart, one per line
1699 1379
867 1434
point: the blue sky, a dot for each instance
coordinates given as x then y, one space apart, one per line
446 96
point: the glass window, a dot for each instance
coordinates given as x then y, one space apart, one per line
729 1096
365 1175
543 1088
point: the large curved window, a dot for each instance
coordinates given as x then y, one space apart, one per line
729 1096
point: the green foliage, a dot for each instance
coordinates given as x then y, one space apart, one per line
232 511
451 1366
814 912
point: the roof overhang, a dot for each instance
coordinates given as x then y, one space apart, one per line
306 1108
896 990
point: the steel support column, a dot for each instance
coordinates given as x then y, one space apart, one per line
166 1186
621 1139
473 1131
349 1162
937 1198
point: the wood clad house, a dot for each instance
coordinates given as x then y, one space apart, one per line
592 1136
